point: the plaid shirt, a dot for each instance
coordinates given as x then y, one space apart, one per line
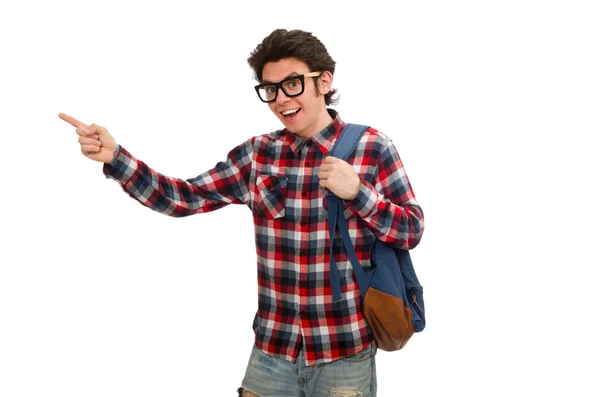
275 175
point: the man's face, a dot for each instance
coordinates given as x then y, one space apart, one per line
300 114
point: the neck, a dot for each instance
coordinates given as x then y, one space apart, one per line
323 120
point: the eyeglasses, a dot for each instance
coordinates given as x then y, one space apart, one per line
291 87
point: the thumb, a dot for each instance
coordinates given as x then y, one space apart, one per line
106 139
95 129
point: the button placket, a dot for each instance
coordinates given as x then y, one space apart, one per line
305 183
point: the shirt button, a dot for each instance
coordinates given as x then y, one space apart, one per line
308 143
303 313
307 163
302 223
303 284
302 253
304 194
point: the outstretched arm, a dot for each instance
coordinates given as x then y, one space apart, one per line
225 184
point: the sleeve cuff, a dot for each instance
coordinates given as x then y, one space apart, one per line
122 166
115 155
365 202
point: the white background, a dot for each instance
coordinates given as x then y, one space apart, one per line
492 106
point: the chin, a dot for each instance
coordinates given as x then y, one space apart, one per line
295 128
292 126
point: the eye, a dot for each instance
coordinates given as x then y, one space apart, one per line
269 89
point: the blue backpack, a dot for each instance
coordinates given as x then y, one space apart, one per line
391 293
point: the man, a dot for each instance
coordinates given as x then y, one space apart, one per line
305 344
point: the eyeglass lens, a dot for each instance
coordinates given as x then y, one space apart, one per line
290 87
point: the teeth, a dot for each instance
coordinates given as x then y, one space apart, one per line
288 112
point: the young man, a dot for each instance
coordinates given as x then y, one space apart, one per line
305 344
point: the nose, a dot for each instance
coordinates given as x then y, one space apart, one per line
282 99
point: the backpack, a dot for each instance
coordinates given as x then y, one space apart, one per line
392 297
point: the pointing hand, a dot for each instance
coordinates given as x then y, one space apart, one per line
96 143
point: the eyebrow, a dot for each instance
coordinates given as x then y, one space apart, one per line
286 77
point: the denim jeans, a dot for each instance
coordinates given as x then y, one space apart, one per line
267 376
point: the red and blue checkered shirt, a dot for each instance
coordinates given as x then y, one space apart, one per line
275 175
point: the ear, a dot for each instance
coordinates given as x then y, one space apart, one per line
325 81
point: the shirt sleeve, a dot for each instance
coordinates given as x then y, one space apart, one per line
388 204
226 183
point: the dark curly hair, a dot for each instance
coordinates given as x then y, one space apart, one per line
298 44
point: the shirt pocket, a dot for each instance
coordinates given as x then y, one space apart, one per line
270 196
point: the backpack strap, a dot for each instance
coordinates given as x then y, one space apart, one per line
347 141
344 146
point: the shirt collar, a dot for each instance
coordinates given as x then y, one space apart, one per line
324 139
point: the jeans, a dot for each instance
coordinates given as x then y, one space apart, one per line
267 376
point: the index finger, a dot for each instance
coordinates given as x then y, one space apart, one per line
71 120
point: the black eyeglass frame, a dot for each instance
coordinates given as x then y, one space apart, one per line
280 85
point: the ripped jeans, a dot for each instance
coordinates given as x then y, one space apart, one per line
267 376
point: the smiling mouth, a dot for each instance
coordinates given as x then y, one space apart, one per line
290 114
